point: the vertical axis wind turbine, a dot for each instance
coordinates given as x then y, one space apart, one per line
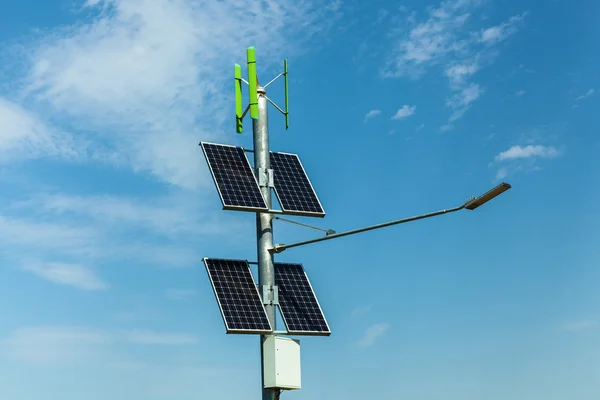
248 308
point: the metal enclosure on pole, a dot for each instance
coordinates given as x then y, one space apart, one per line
264 222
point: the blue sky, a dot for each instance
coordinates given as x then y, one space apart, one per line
397 109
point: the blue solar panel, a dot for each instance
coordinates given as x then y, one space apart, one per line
237 295
298 303
234 178
292 186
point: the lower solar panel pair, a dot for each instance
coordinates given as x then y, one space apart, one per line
242 306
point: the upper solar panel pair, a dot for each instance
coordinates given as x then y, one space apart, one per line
242 306
239 189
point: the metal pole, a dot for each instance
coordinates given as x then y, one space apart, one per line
264 221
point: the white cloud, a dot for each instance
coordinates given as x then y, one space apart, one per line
516 152
148 76
372 334
578 326
404 112
103 230
419 128
462 100
372 113
500 32
136 83
520 93
444 39
501 174
72 240
522 158
458 74
46 236
23 136
429 42
587 94
78 276
176 213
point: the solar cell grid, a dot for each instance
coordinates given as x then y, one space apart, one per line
298 303
237 295
292 186
234 178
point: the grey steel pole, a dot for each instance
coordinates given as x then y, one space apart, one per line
264 221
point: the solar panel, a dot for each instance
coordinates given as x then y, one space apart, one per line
234 178
294 191
298 303
237 295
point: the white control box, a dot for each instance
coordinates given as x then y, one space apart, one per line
282 363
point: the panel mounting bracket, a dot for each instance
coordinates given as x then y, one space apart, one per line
270 295
265 177
271 178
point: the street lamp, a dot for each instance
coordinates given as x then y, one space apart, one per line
470 204
487 196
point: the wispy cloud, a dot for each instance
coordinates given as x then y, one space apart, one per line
23 135
404 112
428 42
143 73
446 127
516 152
587 94
134 84
461 101
372 114
75 231
51 345
73 243
522 158
578 326
459 73
501 174
25 233
520 93
78 276
501 32
372 334
443 39
168 215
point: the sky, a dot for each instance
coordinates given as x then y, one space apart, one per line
396 109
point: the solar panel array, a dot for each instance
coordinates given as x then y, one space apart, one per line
241 305
233 175
292 186
298 303
239 189
237 295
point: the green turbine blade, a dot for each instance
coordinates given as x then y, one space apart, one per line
239 110
252 82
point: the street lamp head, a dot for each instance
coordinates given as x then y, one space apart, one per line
484 198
